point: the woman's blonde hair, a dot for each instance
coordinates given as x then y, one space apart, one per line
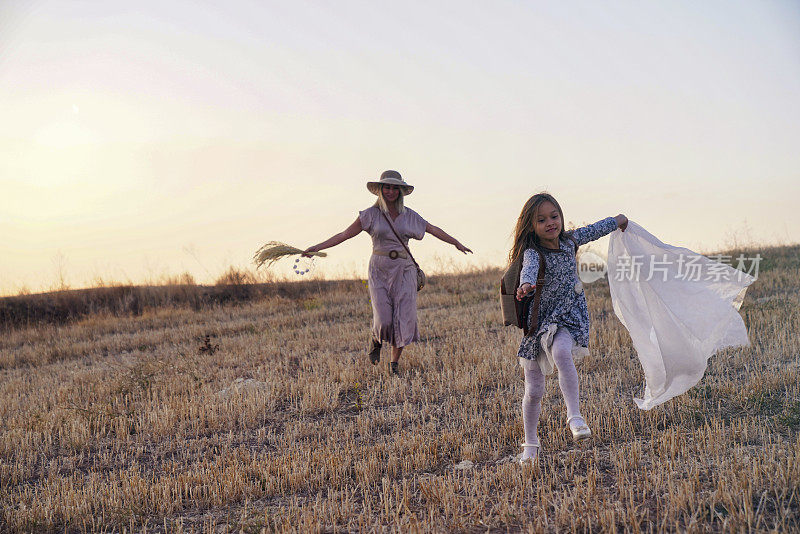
524 236
384 207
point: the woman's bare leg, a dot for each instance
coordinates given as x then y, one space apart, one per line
396 352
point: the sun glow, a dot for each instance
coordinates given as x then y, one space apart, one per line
65 133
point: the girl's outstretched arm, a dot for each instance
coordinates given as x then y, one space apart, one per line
437 232
597 230
351 231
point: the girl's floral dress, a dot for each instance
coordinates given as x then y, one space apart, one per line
562 302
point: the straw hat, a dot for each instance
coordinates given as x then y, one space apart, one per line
391 178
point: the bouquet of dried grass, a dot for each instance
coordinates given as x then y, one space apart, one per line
275 250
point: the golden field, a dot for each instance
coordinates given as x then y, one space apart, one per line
120 418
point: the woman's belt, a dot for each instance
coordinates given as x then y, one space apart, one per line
394 254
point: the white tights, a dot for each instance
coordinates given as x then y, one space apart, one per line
534 386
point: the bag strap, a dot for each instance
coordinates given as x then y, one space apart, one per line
398 237
537 293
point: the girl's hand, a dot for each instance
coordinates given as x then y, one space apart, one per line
622 222
524 289
462 248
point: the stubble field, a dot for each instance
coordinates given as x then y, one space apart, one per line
123 423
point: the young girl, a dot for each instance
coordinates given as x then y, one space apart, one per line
561 330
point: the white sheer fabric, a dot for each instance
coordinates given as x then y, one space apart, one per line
678 306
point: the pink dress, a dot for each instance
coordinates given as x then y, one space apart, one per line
393 282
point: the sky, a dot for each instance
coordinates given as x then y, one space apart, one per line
148 139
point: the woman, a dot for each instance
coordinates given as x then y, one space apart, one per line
392 274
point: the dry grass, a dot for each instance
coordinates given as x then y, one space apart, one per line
119 423
275 250
233 286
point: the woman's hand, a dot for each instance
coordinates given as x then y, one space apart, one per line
524 289
622 221
438 233
307 252
462 248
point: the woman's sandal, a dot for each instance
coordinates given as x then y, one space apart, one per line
533 449
375 353
580 430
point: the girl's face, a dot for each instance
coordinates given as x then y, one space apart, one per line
547 222
390 192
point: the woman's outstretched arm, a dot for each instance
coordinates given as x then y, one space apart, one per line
437 232
351 231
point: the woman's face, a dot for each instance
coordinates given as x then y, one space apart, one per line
547 223
390 192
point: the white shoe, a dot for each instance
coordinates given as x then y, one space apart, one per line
580 430
531 449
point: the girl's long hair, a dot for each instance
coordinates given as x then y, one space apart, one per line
524 236
384 207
